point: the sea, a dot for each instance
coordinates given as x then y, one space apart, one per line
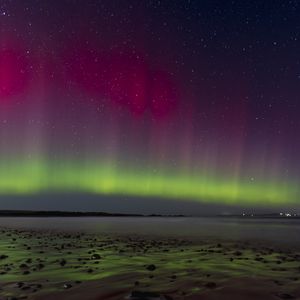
283 231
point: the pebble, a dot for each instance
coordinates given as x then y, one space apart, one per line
151 267
67 286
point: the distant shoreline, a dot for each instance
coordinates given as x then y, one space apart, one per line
30 213
33 213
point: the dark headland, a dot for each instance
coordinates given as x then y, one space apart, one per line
58 213
53 213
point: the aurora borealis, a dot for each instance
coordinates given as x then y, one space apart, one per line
179 100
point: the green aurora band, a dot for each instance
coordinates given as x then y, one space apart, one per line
31 177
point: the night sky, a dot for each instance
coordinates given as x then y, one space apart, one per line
149 104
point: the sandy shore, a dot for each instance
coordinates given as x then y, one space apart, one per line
57 265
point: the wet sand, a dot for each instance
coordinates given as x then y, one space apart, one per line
57 265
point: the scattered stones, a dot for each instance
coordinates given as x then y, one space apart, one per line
82 254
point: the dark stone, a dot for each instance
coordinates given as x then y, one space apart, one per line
62 262
139 295
23 266
25 288
95 256
40 266
20 284
67 286
211 285
151 267
38 286
285 296
278 282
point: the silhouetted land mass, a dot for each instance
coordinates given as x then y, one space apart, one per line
33 213
52 213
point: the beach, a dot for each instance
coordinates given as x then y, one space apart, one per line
52 264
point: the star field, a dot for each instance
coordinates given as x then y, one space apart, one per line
187 100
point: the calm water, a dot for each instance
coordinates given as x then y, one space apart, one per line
286 232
